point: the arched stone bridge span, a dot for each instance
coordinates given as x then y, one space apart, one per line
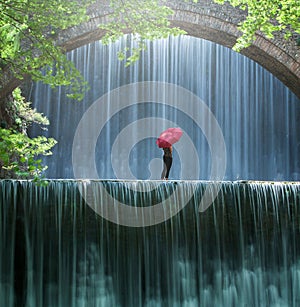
208 20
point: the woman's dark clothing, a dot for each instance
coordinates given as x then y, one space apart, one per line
167 158
167 152
167 166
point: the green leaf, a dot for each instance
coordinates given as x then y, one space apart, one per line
267 17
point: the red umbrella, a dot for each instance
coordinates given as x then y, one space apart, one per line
169 137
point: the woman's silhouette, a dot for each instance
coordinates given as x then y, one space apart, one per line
167 158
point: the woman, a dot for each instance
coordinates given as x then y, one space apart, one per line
167 158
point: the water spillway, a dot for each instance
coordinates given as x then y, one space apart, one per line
243 250
255 112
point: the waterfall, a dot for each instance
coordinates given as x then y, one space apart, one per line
242 251
105 232
256 114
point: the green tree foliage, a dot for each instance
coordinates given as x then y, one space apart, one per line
20 155
146 20
22 114
28 30
268 17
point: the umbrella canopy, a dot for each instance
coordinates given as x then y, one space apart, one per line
169 137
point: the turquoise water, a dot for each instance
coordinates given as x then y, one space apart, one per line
242 251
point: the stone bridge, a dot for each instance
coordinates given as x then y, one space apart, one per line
208 20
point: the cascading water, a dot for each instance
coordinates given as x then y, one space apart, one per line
71 243
256 113
242 251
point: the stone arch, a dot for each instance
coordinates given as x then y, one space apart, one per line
208 20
